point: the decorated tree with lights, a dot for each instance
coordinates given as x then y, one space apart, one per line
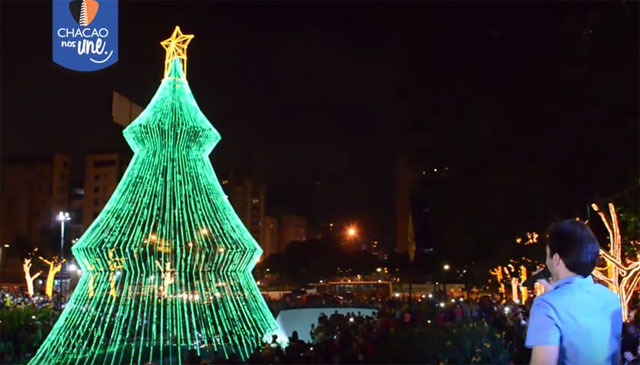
167 263
26 267
55 266
514 276
620 274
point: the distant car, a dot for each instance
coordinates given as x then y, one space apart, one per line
289 297
328 299
299 293
346 297
315 300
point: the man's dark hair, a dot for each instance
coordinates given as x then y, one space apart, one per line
576 245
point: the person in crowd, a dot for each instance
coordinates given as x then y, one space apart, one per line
630 343
576 321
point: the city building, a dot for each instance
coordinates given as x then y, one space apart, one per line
101 176
373 247
247 197
123 110
403 185
33 191
269 241
292 228
422 211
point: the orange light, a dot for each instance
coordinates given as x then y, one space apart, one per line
514 290
524 293
497 272
352 232
532 238
91 277
115 264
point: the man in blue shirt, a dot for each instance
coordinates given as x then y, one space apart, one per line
576 321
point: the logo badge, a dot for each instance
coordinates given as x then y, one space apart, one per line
85 34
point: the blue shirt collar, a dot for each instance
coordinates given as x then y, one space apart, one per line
575 279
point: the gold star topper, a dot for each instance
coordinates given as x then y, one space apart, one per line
176 47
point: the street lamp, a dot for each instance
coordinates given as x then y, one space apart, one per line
446 268
351 232
62 217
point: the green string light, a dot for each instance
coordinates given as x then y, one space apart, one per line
167 263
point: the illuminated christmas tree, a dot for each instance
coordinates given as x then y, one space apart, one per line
167 263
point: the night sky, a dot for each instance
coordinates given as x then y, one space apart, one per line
531 107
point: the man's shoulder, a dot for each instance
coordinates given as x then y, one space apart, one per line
569 294
594 290
605 294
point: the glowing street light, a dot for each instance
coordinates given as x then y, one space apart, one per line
62 217
352 232
446 268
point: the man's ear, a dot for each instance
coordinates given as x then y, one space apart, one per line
556 259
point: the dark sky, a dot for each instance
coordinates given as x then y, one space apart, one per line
533 107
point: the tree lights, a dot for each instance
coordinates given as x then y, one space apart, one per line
55 266
167 263
519 293
497 272
622 277
26 267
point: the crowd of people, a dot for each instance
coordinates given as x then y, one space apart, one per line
17 297
630 344
446 324
406 331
